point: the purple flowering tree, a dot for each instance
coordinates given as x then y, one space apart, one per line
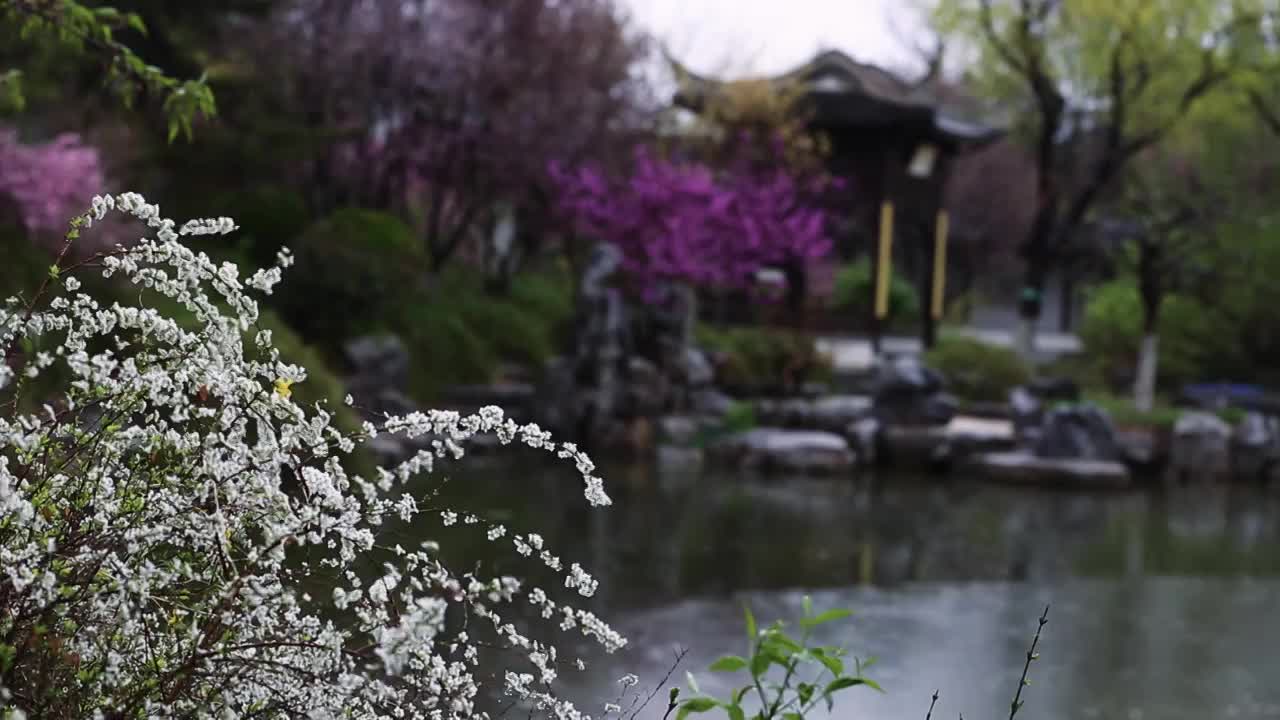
46 184
683 224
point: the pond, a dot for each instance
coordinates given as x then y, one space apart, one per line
1163 603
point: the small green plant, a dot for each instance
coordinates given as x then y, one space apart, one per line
786 676
853 286
977 370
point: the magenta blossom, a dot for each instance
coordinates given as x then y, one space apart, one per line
48 183
682 222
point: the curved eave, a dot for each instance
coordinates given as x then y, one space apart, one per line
965 135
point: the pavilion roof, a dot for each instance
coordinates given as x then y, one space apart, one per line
847 95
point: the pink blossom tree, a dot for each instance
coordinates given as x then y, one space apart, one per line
46 184
683 223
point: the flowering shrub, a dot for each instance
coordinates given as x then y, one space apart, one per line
48 183
680 222
179 538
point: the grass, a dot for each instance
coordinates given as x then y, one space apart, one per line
1164 415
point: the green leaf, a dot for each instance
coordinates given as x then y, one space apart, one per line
807 604
735 712
693 683
752 631
134 21
696 705
805 691
842 683
826 617
830 662
729 663
759 664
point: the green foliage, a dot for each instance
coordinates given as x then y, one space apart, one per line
810 674
1121 410
976 370
759 357
458 333
270 217
87 30
853 293
1112 334
355 269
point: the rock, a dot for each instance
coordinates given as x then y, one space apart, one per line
931 445
1201 448
693 369
556 403
671 457
709 401
1145 449
814 389
989 410
973 434
1025 409
908 393
1255 448
836 412
906 374
383 358
1055 389
864 437
781 450
678 430
1021 466
1081 432
647 391
916 445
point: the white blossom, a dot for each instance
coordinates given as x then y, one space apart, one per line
167 517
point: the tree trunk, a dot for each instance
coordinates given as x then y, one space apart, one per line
1144 388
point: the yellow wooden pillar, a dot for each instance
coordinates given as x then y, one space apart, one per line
884 260
938 301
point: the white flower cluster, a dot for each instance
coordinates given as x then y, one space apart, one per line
167 520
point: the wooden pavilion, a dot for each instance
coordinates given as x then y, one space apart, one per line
895 142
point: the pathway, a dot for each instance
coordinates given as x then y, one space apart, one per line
854 353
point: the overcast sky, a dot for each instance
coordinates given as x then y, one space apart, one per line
769 36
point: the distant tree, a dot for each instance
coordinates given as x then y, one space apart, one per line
1098 82
445 109
681 223
47 184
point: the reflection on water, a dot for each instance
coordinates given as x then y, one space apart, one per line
1162 602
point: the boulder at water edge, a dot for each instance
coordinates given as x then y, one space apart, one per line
784 451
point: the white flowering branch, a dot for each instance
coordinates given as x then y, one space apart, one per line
168 519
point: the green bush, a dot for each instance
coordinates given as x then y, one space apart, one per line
1112 334
853 287
458 333
756 357
976 370
355 269
269 217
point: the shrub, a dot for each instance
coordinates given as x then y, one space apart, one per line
355 270
1112 334
269 217
165 519
764 358
977 370
853 287
458 333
